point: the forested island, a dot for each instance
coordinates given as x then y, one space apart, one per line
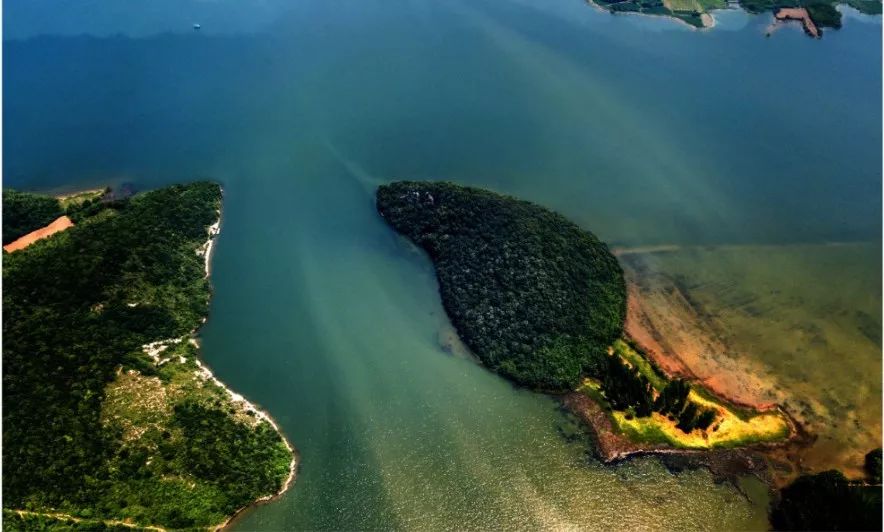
110 420
542 302
820 13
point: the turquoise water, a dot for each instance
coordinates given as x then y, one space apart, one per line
637 128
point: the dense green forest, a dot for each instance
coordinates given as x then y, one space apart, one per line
534 296
78 307
24 212
538 299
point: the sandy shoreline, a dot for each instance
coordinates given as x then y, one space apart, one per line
214 230
205 250
741 347
154 349
264 416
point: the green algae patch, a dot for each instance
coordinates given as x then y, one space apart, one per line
756 323
643 365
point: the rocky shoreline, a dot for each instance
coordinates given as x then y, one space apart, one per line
775 463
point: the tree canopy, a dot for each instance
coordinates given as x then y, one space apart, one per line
24 212
537 298
78 307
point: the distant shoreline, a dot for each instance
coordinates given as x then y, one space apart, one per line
707 19
697 16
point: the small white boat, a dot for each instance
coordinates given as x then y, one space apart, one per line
196 27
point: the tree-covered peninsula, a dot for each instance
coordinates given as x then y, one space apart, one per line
110 420
542 302
538 299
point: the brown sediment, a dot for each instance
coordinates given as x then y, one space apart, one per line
59 224
683 341
610 445
206 250
687 337
800 14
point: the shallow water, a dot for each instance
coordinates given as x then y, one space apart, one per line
640 130
810 316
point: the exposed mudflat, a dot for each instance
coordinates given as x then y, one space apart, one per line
750 331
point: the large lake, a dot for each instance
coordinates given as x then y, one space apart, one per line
638 128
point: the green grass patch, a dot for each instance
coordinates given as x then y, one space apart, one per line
708 5
684 6
79 198
630 355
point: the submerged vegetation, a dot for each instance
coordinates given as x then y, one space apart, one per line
108 415
542 302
